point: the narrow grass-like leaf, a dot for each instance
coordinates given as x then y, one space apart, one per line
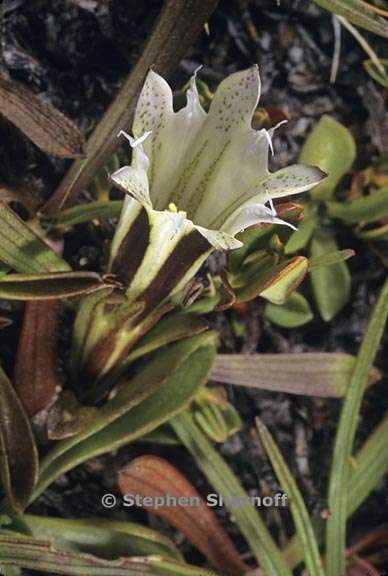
341 462
52 286
369 466
375 73
311 374
48 128
104 538
331 284
18 453
85 213
358 12
298 508
151 476
27 552
164 387
371 208
23 250
226 484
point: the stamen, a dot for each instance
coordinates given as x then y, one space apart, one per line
172 207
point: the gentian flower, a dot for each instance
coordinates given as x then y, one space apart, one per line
195 181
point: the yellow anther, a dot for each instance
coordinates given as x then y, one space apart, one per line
172 207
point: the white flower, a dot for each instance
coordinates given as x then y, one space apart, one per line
193 170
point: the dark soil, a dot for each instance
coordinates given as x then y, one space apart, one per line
76 58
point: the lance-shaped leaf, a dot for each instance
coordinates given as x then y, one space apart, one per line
226 484
292 314
23 250
377 73
104 538
331 147
85 213
36 379
298 508
33 554
272 281
331 284
48 128
359 12
151 476
330 258
169 329
371 208
49 286
18 453
311 373
370 466
343 447
161 389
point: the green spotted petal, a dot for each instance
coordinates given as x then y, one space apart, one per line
291 180
173 134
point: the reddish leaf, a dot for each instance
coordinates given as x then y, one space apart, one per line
36 380
48 128
151 476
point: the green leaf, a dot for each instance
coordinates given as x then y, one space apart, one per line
51 286
271 281
298 508
331 284
369 467
104 538
377 234
27 552
293 313
331 147
288 276
302 236
18 453
321 374
23 250
225 482
169 329
341 462
371 208
85 213
377 74
357 12
330 258
161 389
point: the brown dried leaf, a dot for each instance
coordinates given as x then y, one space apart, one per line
153 476
36 380
48 128
326 375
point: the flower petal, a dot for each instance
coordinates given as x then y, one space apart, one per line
226 135
291 180
219 240
133 182
171 134
249 215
